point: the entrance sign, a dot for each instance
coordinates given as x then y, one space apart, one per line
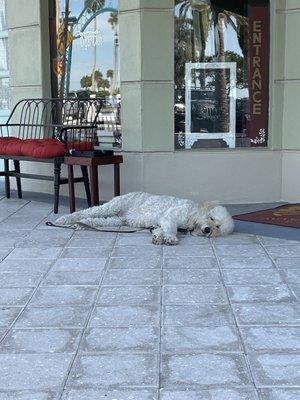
257 125
210 102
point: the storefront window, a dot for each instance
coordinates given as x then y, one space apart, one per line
221 73
85 57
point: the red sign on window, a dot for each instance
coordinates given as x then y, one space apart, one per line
258 73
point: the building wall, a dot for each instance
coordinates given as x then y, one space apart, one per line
147 86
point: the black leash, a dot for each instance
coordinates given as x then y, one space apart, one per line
91 228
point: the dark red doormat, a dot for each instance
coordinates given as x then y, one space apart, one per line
287 215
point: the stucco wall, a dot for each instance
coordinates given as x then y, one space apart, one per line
147 75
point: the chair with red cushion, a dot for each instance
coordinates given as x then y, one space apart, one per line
46 130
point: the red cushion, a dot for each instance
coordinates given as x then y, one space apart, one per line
43 148
10 146
40 148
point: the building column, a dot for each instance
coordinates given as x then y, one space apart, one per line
28 22
147 74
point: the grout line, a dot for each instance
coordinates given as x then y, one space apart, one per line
244 350
279 270
161 324
87 321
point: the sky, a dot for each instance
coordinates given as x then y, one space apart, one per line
82 60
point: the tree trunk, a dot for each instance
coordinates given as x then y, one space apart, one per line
221 84
94 83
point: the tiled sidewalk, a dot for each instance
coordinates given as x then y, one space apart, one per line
91 316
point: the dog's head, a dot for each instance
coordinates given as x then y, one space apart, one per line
211 219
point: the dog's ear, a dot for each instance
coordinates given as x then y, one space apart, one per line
209 205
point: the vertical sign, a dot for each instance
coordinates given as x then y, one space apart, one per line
258 75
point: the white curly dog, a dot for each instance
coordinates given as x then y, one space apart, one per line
166 214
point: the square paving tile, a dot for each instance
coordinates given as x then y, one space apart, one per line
4 252
240 294
142 251
91 242
267 313
288 262
63 295
296 290
284 251
191 294
135 263
190 262
251 276
205 339
276 338
78 264
190 251
124 316
110 370
131 339
14 279
87 252
102 394
41 341
14 296
190 240
8 315
64 316
32 371
259 262
280 394
132 277
24 267
50 253
245 250
49 237
271 241
209 394
236 238
292 275
275 369
198 315
11 238
28 395
73 278
191 276
93 235
135 239
204 370
129 295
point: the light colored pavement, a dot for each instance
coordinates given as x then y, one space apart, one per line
91 316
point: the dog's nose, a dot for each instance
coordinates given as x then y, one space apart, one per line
207 229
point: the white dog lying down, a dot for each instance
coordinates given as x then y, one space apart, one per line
165 214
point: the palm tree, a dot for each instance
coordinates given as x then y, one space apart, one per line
113 20
93 6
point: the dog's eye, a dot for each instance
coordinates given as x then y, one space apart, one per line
211 218
217 226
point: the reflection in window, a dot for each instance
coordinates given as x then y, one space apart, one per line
221 73
85 58
4 94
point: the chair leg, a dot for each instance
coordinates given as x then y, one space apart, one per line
71 188
117 179
86 184
17 169
7 183
57 171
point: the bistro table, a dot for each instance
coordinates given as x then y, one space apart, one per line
92 163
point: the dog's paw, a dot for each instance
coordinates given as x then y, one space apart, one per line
157 239
171 240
